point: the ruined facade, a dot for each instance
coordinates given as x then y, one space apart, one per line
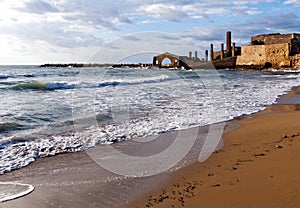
176 61
187 62
271 51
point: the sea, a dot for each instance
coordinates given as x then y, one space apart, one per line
46 111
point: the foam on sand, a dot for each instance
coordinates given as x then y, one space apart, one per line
11 190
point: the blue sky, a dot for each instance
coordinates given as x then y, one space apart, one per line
43 31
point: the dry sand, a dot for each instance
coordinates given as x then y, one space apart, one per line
258 166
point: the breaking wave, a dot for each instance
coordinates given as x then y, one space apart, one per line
64 85
10 126
4 76
136 81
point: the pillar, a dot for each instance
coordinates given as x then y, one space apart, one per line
154 61
190 55
211 52
228 41
196 56
222 51
206 55
233 49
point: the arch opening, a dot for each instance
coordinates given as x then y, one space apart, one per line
268 65
166 62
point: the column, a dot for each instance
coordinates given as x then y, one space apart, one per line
222 51
206 55
233 49
211 52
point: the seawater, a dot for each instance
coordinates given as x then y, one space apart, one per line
47 111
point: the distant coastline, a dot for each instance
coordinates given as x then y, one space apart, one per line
80 65
265 52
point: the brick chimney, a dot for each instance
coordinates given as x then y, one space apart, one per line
228 41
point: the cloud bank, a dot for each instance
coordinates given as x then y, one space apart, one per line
73 27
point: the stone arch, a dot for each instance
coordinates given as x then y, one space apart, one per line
174 60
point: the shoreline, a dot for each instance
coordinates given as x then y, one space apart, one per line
75 180
257 163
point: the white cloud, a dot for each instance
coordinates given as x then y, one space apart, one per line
36 6
253 12
62 27
147 21
164 11
39 52
49 20
292 2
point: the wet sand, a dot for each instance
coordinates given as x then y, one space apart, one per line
258 161
75 180
258 166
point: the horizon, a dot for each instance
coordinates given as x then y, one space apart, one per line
35 32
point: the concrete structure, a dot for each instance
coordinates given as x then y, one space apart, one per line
271 51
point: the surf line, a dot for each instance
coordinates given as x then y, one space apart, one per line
14 194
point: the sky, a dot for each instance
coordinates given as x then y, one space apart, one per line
60 31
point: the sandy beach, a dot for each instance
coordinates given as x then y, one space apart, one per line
258 166
258 161
141 104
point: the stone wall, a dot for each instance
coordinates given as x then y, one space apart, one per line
277 38
252 56
271 39
295 61
229 63
258 56
217 54
278 55
295 46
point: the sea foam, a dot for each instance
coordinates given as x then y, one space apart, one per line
159 104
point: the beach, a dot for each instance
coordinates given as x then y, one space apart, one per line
137 104
258 166
258 161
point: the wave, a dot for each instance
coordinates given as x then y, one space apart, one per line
4 76
64 85
7 126
16 190
282 76
30 86
136 81
27 75
43 86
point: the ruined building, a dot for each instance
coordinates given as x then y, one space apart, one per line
176 61
271 51
225 58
